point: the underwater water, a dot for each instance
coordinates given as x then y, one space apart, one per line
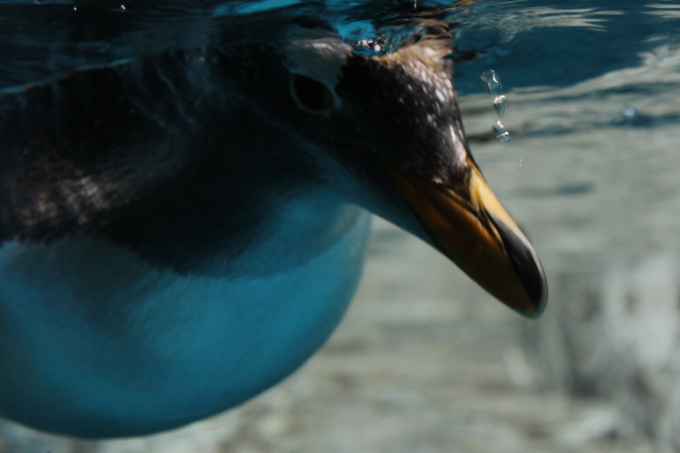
425 361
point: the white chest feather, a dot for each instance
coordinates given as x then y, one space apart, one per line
94 342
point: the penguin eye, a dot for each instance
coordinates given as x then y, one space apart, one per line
311 94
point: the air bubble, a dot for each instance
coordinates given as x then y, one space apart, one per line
494 87
374 44
499 105
629 113
492 81
503 137
502 134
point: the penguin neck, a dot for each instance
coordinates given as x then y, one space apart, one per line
260 238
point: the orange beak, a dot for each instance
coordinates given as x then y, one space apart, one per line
480 237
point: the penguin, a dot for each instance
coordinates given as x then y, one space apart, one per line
182 229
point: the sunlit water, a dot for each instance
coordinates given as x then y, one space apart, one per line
577 130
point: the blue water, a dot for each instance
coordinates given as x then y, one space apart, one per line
553 43
531 42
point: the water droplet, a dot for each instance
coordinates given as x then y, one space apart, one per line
494 86
502 134
75 8
519 165
503 137
492 81
499 105
629 113
373 44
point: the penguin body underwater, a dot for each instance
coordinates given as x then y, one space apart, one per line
181 230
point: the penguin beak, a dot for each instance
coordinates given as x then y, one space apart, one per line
477 234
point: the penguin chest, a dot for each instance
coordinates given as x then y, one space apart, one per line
110 346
